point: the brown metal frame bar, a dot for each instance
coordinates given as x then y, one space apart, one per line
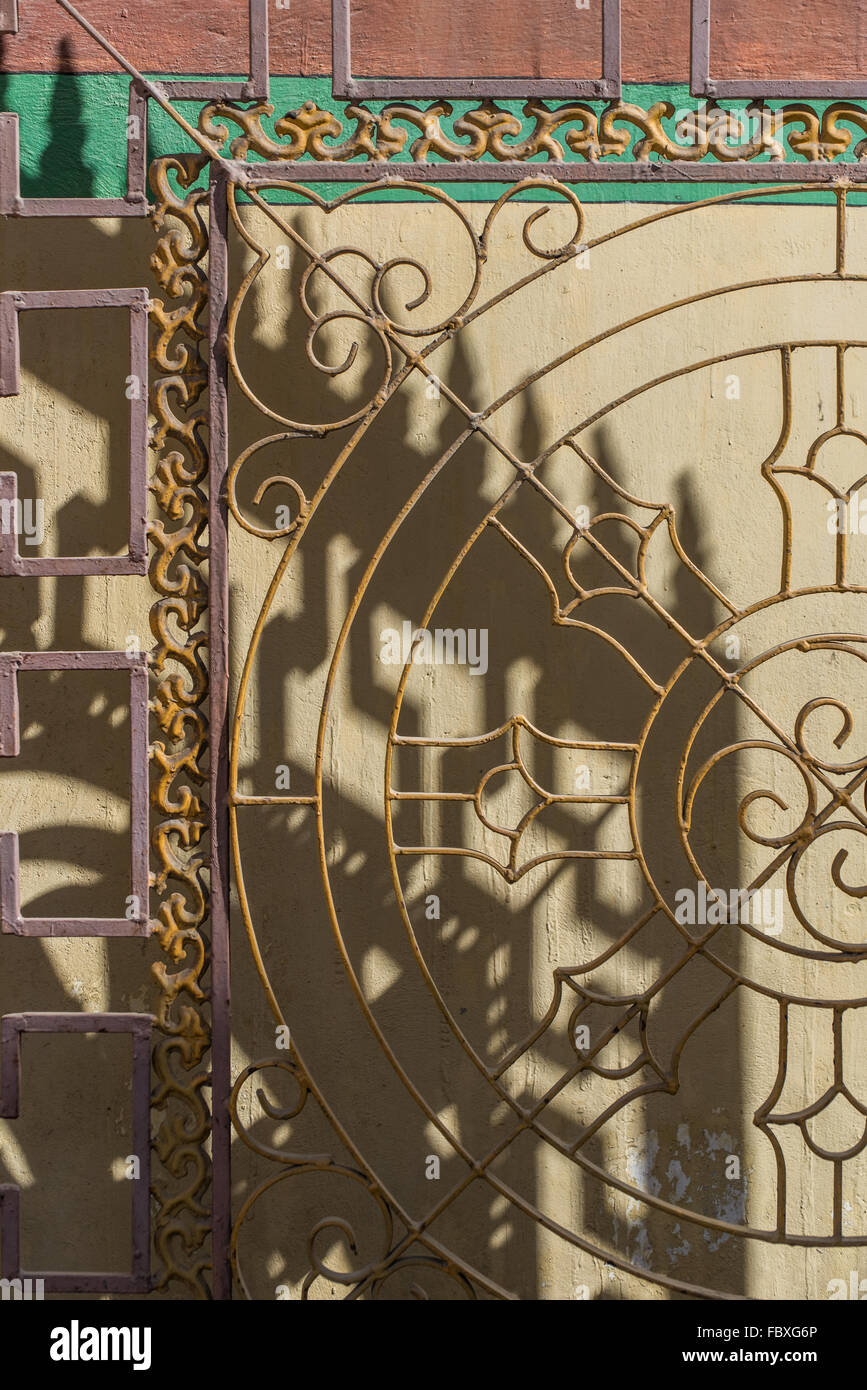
514 171
134 203
11 921
702 84
139 1025
218 687
345 85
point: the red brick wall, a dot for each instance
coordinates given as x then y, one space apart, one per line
793 38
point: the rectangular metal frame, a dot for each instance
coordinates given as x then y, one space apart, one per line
820 172
11 921
12 1026
703 85
346 86
136 301
218 723
134 203
255 88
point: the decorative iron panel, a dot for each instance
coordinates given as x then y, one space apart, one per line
681 739
457 1090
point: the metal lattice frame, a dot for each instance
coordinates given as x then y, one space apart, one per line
418 1245
135 202
195 491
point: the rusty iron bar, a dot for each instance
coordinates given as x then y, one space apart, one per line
250 176
218 674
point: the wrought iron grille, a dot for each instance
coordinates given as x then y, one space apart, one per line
485 806
683 734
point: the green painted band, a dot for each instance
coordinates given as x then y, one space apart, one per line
73 137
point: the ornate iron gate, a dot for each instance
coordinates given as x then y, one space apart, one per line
464 788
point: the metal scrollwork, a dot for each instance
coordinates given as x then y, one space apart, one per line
179 752
491 133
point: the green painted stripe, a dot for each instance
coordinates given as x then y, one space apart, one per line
73 138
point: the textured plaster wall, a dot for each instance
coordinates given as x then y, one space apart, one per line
791 38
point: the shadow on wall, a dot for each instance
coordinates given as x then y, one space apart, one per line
494 947
63 166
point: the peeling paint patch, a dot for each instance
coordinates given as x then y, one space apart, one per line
674 1252
641 1160
730 1206
678 1179
642 1250
719 1143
